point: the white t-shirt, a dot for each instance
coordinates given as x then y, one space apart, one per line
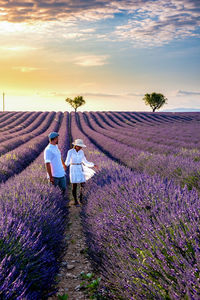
52 155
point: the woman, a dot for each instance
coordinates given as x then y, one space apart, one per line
79 168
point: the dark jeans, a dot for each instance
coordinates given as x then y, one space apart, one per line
61 182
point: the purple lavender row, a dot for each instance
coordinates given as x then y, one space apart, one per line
20 123
143 235
149 118
174 132
140 144
25 124
25 127
10 115
38 127
33 218
159 117
134 141
190 150
35 128
118 203
64 140
25 117
173 119
182 170
151 132
116 119
6 114
139 118
19 158
111 120
13 121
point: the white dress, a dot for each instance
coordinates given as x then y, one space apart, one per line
79 166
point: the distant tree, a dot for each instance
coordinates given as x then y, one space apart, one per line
154 100
76 102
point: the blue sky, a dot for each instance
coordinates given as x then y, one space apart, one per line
111 52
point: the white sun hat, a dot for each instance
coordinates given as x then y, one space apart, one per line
78 142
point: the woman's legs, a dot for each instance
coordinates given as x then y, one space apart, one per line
81 191
74 192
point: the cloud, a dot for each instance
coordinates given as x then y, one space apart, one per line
101 95
25 69
144 23
17 48
159 22
49 10
91 94
136 94
188 93
91 60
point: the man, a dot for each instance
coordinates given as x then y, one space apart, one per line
54 163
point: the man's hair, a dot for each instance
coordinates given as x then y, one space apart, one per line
52 138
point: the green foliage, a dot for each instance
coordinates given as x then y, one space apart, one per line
178 171
192 180
154 100
76 102
63 297
91 285
84 251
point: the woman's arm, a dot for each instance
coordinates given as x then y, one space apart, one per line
87 163
64 166
67 161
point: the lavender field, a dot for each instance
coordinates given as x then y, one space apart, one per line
141 215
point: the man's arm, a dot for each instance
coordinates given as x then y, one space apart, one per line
48 168
64 165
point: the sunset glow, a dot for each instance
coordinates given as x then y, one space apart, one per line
111 52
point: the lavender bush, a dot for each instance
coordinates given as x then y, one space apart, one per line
26 126
141 138
32 225
13 140
19 158
143 234
21 117
6 114
142 231
171 166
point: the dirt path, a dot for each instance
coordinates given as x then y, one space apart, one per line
74 261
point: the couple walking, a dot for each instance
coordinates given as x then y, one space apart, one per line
80 169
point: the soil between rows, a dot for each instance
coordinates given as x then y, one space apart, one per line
75 259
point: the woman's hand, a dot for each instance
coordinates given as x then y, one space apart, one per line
96 167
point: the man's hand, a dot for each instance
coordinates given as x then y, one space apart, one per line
52 180
48 167
64 165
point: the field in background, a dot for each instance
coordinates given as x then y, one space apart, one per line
141 212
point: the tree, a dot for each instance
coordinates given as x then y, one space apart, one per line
76 102
155 100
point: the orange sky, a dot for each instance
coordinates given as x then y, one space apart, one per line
110 52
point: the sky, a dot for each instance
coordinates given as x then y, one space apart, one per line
110 52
